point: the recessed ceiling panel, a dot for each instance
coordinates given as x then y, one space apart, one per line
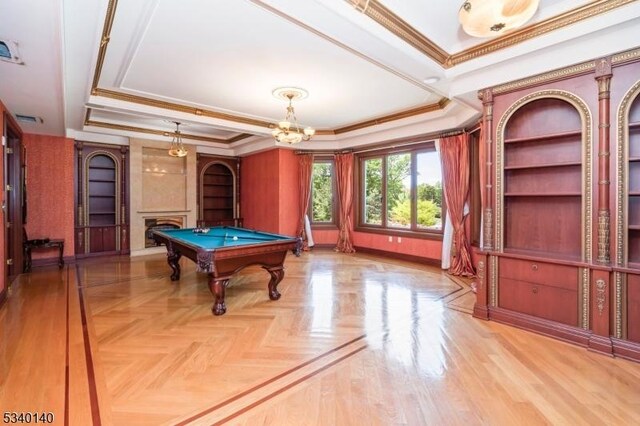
230 55
438 20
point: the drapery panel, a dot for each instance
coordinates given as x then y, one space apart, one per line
305 170
454 155
344 184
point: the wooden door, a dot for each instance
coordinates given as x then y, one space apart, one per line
13 185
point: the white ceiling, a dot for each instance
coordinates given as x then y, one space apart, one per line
165 58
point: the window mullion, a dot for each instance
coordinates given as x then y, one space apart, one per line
414 191
384 192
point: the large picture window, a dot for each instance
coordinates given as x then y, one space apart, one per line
401 191
322 208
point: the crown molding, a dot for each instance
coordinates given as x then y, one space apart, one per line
89 122
570 17
392 22
396 25
441 104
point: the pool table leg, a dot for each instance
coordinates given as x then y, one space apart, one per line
277 274
173 258
217 287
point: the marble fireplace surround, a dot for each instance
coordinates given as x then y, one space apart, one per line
162 187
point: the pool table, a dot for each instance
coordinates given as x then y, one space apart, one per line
224 250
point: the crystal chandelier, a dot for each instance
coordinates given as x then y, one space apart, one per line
288 130
488 18
177 149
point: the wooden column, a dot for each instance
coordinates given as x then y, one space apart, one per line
487 200
80 237
600 288
603 77
124 232
480 309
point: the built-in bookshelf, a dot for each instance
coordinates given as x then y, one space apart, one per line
217 189
543 180
101 191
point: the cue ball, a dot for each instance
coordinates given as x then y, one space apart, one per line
235 238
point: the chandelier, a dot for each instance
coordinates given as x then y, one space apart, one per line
177 149
488 18
288 130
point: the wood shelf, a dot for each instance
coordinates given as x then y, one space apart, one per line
544 137
543 165
101 168
538 194
102 180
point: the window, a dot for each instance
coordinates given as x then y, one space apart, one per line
322 207
4 50
401 191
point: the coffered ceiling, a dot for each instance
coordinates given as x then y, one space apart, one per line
112 69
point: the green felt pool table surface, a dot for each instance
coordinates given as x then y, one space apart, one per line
222 236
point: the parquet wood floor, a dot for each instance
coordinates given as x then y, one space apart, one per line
354 340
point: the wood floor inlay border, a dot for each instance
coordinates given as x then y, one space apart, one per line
66 357
247 393
93 391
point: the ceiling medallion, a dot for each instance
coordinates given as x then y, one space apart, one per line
487 18
288 130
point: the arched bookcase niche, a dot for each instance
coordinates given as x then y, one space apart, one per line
218 187
543 187
627 275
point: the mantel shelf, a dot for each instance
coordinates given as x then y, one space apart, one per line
544 137
544 165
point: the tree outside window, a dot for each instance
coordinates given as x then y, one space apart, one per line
409 185
322 193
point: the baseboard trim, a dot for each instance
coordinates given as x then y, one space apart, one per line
626 349
601 345
545 327
399 256
323 246
480 312
48 261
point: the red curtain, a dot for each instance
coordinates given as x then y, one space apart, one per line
305 168
344 180
454 153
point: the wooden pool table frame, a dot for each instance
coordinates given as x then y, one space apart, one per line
221 263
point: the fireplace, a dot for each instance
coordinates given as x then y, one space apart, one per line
159 223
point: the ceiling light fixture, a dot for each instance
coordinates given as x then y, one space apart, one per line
488 18
177 149
288 130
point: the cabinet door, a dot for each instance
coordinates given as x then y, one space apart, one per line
109 238
95 240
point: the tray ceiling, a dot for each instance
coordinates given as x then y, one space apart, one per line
125 67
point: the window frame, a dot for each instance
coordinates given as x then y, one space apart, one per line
383 154
334 224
